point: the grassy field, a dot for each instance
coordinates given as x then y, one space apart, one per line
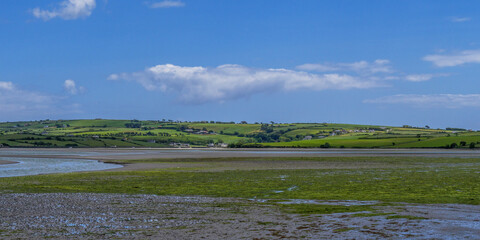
400 179
134 133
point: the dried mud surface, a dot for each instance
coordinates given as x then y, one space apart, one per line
105 216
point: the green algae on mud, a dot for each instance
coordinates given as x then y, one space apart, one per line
419 180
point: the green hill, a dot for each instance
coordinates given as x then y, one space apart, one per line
135 133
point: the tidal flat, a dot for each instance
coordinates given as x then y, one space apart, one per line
269 197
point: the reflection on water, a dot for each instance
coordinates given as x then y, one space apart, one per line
35 166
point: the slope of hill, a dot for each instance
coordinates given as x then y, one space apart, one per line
134 133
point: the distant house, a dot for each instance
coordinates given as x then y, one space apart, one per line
189 130
223 145
211 145
202 132
307 138
151 141
180 145
44 133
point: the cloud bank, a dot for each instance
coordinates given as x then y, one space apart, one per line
167 4
68 10
226 82
463 57
431 100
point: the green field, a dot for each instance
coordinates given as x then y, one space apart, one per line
134 133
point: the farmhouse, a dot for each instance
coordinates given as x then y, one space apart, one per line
223 145
220 145
180 145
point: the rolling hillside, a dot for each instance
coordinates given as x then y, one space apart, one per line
134 133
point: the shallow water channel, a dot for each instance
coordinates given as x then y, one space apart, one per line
35 166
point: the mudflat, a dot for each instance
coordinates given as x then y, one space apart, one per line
156 155
121 216
3 162
150 153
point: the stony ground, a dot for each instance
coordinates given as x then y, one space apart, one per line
106 216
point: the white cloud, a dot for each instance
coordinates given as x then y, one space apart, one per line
15 100
225 82
68 10
423 77
431 100
8 86
463 57
377 66
167 4
460 19
71 87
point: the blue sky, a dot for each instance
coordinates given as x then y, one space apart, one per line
369 62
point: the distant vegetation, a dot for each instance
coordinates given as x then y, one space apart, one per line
168 133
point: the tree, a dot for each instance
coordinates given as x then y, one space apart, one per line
472 145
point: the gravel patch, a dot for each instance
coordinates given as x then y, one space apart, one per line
106 216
